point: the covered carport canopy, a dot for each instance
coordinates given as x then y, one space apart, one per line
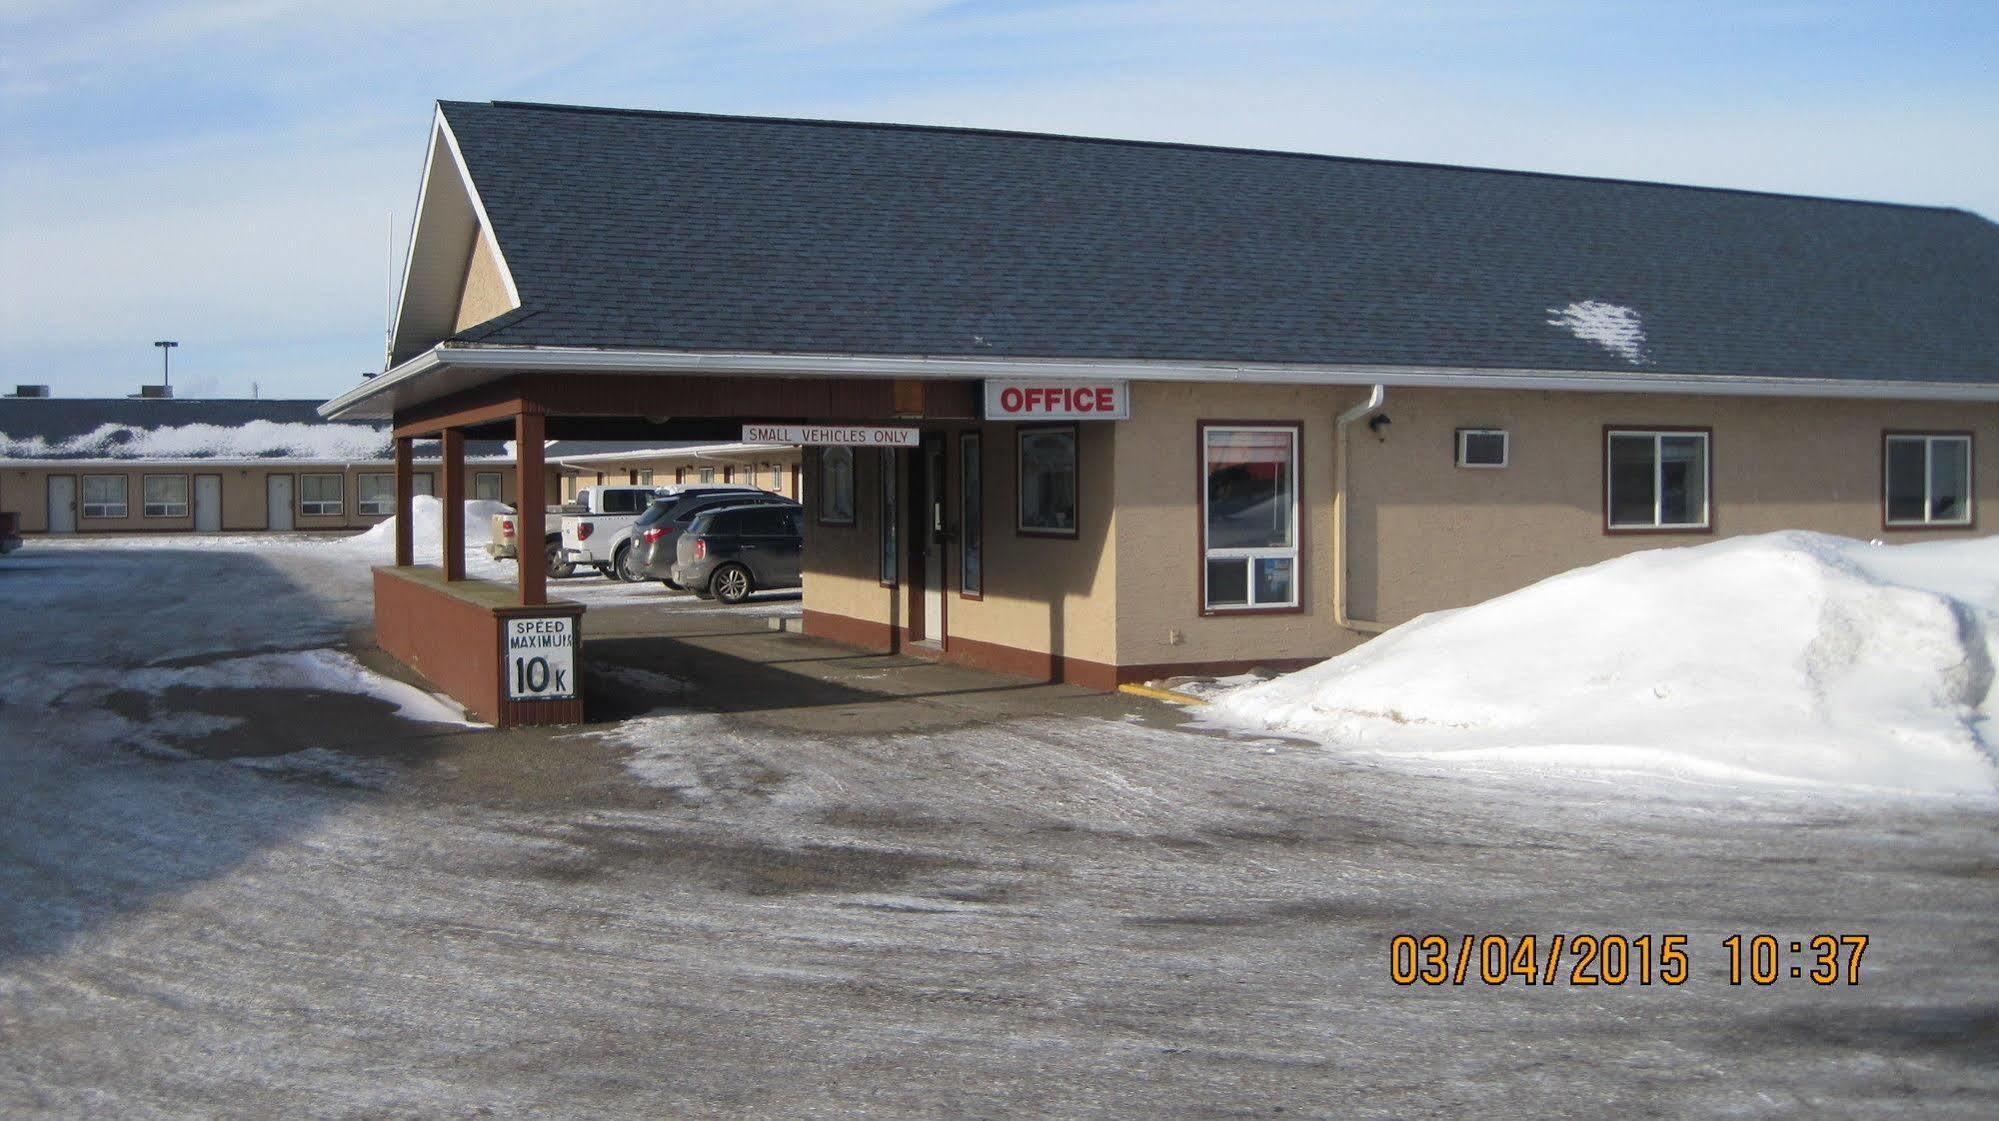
458 632
532 408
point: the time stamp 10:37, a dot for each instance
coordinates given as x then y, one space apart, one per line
1618 959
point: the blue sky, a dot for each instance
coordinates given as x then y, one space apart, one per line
227 173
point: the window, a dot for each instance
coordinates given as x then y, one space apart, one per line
972 510
488 485
680 474
1656 479
836 486
891 513
104 496
375 495
645 476
321 494
1926 479
426 483
767 522
776 478
707 474
623 501
1249 517
1047 482
1482 447
166 496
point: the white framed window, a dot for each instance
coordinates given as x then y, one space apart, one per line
376 494
836 486
1249 517
166 496
707 474
1657 479
490 486
645 476
423 482
1046 482
1483 447
104 496
972 512
322 495
1926 479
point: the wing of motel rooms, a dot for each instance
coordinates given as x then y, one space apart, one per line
1163 407
153 463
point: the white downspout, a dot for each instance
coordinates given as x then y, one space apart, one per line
1346 419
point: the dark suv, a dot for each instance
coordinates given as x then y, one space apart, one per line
730 552
651 554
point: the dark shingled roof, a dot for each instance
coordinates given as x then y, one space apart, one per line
683 231
54 420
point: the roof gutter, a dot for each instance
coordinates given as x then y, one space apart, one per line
507 360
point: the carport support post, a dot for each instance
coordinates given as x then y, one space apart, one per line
405 498
530 514
453 468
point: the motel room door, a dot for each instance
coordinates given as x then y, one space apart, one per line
208 503
278 502
62 503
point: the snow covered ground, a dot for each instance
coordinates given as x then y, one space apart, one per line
1795 659
309 906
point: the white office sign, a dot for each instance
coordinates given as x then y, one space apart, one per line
832 435
541 659
1058 400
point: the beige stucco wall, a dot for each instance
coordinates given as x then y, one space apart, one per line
483 294
24 489
1425 534
1159 617
1428 535
1046 594
842 563
1042 594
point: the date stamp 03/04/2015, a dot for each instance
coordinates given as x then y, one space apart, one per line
1618 959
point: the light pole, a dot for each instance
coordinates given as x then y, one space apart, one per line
166 354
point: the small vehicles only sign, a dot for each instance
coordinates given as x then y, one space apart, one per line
541 659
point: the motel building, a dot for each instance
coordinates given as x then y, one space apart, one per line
1102 411
154 463
777 468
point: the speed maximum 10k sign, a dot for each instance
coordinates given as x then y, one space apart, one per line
541 659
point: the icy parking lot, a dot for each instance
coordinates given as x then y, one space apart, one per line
244 875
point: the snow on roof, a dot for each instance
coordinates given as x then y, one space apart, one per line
257 439
1614 327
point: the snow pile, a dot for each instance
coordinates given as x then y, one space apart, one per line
427 525
1796 658
257 439
1614 327
328 671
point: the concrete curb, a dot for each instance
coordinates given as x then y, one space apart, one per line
1167 695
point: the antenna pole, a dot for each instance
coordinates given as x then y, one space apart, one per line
388 285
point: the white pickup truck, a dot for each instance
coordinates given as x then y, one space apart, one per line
503 545
598 520
602 537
